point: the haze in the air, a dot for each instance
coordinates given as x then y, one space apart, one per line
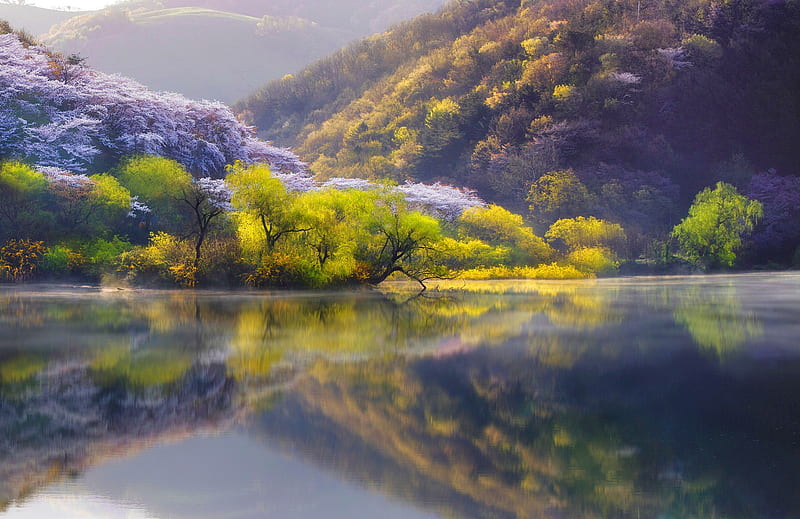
71 5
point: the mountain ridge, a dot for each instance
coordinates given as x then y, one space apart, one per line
211 49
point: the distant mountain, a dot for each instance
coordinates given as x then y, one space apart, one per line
31 19
636 101
214 49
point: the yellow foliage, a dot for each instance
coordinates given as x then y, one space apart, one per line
563 92
540 123
545 271
534 47
166 256
184 274
546 71
20 258
580 232
597 260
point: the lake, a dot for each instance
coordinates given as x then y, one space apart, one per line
636 398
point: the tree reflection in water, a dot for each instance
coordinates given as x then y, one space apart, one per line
599 399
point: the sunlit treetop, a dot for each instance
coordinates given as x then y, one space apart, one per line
443 201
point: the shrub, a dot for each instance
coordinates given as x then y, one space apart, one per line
595 260
20 258
282 270
165 258
544 271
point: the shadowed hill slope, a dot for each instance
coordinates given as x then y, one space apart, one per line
654 98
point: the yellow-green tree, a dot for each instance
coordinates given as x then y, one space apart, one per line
265 208
499 227
583 231
558 194
159 183
335 221
717 221
22 198
397 240
591 244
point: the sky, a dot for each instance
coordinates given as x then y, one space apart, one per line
74 5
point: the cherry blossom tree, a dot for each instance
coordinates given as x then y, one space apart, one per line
91 120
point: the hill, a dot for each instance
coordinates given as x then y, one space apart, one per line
55 112
218 49
628 107
32 19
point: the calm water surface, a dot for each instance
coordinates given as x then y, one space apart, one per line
642 398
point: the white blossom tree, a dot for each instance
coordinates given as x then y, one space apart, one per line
92 119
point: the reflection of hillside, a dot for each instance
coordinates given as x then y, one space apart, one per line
66 422
554 400
481 435
460 434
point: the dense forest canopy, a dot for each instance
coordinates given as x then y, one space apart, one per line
615 109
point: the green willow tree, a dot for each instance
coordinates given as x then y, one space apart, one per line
160 183
263 203
717 221
22 200
398 240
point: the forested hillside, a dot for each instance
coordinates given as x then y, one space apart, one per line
617 109
213 49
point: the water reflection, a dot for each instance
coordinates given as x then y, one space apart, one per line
477 436
642 398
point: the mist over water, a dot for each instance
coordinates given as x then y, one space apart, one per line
645 397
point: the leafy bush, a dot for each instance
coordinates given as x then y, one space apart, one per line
282 270
595 260
20 258
545 271
165 259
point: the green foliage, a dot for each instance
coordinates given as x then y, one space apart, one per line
558 194
264 206
716 320
159 183
87 259
140 370
397 240
336 221
718 219
20 368
97 207
22 201
59 260
580 232
111 197
500 227
555 105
